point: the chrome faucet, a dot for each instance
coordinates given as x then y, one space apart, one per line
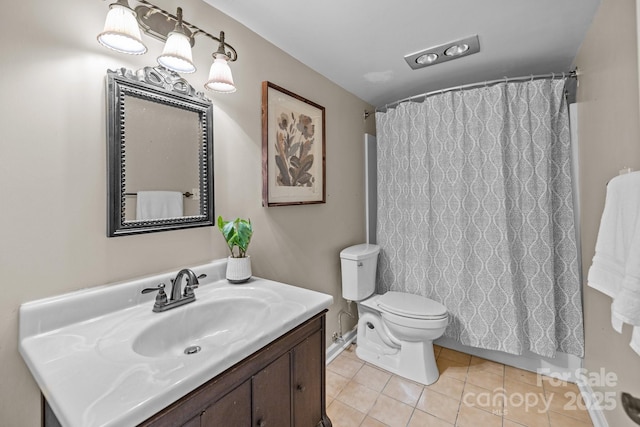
178 298
192 282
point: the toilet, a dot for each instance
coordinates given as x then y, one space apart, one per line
395 330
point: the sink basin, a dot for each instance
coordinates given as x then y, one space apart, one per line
203 327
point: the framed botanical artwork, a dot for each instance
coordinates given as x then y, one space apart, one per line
293 148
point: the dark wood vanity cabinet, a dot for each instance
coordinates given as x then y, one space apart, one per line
281 385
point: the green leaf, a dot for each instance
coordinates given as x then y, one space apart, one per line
237 233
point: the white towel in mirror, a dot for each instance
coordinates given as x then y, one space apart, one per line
159 205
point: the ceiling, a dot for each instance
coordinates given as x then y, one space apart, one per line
360 44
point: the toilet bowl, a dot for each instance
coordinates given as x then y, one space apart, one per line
396 329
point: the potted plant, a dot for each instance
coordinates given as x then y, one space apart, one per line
238 234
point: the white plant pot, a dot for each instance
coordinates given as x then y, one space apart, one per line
238 269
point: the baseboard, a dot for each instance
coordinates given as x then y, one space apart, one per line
595 412
337 347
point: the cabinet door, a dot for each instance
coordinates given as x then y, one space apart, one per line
233 410
272 394
308 364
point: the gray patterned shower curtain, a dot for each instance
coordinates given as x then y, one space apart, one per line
475 211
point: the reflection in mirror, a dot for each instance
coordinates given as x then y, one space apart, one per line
159 153
155 162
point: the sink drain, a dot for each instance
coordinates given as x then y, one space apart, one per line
192 349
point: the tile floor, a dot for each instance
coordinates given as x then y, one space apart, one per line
470 392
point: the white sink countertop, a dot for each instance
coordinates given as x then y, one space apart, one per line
102 358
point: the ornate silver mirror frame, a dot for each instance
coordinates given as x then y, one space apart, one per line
157 86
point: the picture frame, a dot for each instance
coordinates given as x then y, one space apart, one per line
293 149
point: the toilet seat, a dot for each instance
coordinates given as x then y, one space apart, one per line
413 306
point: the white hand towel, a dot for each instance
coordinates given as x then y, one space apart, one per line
615 270
635 339
626 305
159 205
619 219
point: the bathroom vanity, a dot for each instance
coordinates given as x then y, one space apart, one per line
256 355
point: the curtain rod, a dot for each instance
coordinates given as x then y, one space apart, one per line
570 74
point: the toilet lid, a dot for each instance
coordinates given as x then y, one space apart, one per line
410 305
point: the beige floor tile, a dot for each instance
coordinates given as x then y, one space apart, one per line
480 364
439 405
371 377
452 368
531 415
455 356
403 390
522 375
485 379
345 366
525 403
335 383
329 401
487 400
391 411
569 403
557 385
350 352
513 386
342 415
509 423
552 383
474 417
358 396
559 420
448 386
422 419
370 422
436 350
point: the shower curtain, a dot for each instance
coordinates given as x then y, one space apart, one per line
475 211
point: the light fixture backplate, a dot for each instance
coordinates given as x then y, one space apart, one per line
158 25
474 46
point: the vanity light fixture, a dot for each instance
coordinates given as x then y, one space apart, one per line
444 52
122 33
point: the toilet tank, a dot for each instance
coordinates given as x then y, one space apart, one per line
359 264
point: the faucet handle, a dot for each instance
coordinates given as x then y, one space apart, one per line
189 287
161 298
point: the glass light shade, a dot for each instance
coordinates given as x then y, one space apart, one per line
121 32
220 78
176 55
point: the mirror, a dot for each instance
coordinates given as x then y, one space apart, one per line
159 153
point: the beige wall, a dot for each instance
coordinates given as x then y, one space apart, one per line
609 138
53 174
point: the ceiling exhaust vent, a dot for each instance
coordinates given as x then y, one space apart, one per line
444 52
